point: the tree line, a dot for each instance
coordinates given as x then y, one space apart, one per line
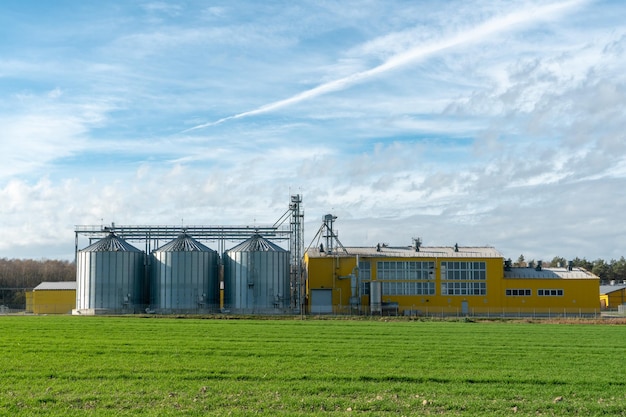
613 270
20 275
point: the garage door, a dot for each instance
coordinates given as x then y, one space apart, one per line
321 301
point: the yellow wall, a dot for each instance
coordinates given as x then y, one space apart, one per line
326 273
54 301
29 301
615 298
580 295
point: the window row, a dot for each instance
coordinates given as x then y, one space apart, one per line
464 275
451 288
464 266
424 270
408 288
518 292
405 270
464 271
528 292
550 292
405 265
464 288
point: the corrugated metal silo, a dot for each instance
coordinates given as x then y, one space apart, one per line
256 275
184 277
110 277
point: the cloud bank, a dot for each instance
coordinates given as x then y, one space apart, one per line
469 122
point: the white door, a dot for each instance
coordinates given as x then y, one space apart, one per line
321 301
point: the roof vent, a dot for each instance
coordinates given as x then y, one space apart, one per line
418 243
539 265
456 247
507 264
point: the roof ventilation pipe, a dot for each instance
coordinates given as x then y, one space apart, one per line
507 264
418 242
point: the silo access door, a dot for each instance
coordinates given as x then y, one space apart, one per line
322 301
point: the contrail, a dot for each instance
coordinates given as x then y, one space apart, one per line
476 34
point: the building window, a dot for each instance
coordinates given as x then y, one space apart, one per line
463 278
365 288
464 288
405 270
365 271
408 288
472 271
519 292
550 292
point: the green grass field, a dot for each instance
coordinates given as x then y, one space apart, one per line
105 366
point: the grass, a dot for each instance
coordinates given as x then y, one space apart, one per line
112 366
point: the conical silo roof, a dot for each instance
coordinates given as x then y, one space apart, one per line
184 243
257 243
111 243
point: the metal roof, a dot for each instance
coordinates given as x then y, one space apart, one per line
410 252
50 286
607 289
549 273
111 243
257 243
184 243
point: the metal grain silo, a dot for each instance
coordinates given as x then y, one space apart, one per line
256 277
184 277
110 277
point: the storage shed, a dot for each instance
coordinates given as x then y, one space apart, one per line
612 296
54 297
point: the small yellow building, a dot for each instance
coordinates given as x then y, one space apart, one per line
441 280
612 296
54 297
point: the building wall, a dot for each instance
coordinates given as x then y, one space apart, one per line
54 301
615 298
324 273
577 294
456 296
29 301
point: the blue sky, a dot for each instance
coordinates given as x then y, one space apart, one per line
477 122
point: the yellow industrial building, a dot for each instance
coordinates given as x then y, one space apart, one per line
414 280
53 298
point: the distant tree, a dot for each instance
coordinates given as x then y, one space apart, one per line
601 269
20 275
520 261
618 269
558 261
583 263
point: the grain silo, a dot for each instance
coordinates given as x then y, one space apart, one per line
256 277
184 277
110 277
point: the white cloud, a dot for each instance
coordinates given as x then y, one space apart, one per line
410 55
477 123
